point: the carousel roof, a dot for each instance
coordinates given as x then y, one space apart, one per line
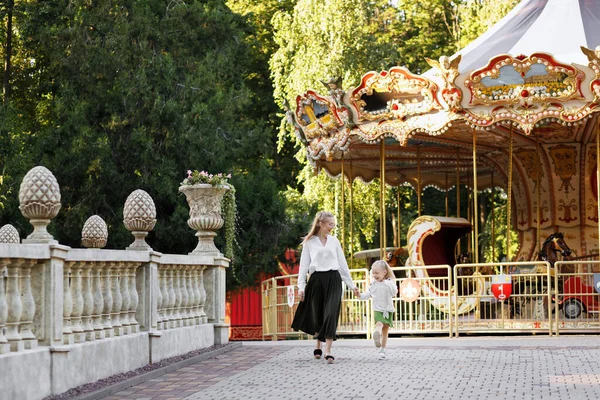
558 27
532 77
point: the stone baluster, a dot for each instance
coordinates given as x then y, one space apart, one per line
171 309
4 346
29 339
108 301
88 302
193 306
164 282
98 301
203 316
15 307
134 299
77 293
115 314
178 297
196 284
67 304
184 296
192 296
124 289
160 299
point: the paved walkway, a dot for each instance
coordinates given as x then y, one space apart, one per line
524 367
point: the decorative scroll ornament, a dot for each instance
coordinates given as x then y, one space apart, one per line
317 115
594 63
564 158
448 70
524 81
525 90
446 301
396 94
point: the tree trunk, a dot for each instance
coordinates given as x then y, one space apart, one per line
10 5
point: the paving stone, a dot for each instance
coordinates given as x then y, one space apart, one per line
527 367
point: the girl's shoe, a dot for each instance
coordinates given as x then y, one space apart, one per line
329 358
318 353
377 338
381 354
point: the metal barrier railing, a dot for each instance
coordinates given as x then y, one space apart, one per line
430 312
527 309
459 300
577 302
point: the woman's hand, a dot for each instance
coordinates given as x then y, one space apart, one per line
356 292
301 295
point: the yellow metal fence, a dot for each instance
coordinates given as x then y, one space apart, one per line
459 300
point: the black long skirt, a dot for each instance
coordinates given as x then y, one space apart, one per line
319 312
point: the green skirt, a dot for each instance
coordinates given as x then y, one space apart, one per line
380 318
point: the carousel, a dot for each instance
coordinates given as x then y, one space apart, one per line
517 109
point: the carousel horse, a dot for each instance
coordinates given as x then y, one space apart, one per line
553 247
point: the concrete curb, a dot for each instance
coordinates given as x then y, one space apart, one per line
119 386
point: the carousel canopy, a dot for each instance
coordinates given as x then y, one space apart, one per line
520 99
557 27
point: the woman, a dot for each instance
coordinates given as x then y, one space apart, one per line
320 299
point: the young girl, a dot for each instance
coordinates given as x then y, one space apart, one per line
382 289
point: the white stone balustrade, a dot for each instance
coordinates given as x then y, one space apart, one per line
73 316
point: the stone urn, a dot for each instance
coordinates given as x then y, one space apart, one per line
139 217
39 199
205 201
94 233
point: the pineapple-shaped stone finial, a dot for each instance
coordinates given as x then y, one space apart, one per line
39 198
94 233
9 234
139 217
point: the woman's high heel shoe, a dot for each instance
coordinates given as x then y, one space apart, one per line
318 353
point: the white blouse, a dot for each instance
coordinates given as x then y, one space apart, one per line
316 257
382 294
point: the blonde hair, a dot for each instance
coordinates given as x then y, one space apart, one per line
381 264
316 225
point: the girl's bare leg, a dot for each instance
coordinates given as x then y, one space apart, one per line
318 346
328 343
384 335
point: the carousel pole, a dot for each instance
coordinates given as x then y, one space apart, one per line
493 221
419 179
508 204
343 207
469 213
598 176
351 216
382 239
399 215
475 203
458 192
447 190
538 195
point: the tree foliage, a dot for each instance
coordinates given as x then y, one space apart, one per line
130 95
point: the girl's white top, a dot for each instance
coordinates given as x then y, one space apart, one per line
382 293
316 257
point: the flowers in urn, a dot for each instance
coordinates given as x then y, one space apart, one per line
196 177
212 205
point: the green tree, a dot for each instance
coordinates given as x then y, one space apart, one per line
132 94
